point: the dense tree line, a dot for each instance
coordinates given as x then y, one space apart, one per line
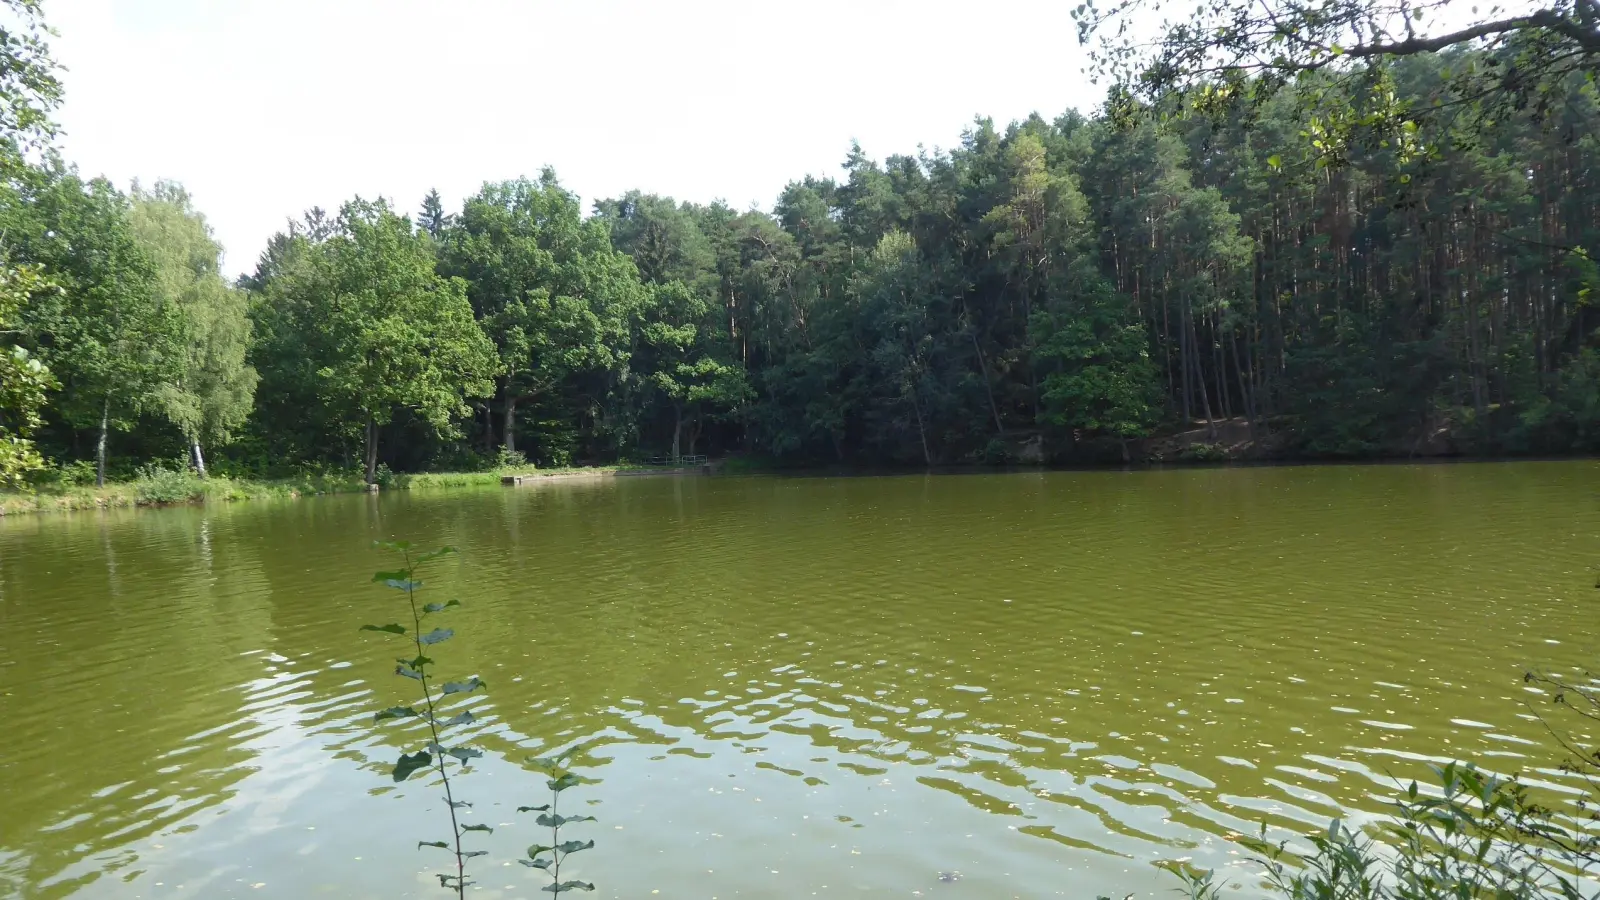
1050 291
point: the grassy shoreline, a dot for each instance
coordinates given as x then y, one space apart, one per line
182 488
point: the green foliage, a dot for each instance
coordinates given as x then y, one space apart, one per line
29 88
549 291
550 857
1255 230
1343 60
1204 452
419 669
24 382
1476 836
1100 377
356 323
435 754
158 484
213 390
107 335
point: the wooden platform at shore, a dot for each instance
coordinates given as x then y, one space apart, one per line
706 468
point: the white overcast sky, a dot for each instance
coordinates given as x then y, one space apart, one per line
265 108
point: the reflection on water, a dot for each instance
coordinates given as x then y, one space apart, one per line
785 687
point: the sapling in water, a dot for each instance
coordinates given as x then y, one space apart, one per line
550 857
418 668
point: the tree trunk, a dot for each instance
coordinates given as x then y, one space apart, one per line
1246 389
511 424
100 445
922 432
372 450
988 387
1200 380
1183 368
197 457
677 430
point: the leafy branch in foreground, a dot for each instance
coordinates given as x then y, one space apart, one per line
550 857
1477 837
1340 58
417 668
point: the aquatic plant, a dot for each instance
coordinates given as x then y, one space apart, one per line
436 755
549 857
418 668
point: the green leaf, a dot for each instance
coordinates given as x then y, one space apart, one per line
394 712
535 849
403 584
483 828
465 717
471 853
560 784
549 821
1275 161
438 636
537 863
398 575
439 607
464 753
574 846
459 804
400 546
411 762
565 886
391 628
440 844
533 808
407 671
463 687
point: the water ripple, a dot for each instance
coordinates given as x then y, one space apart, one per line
779 684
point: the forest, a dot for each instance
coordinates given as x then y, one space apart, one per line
1052 291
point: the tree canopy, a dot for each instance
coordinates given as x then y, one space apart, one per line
1325 230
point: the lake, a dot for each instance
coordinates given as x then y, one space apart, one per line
1032 685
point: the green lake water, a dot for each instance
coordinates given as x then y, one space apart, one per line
785 687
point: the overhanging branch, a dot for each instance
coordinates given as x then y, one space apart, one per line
1589 38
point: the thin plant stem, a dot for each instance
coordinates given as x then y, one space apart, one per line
433 728
555 838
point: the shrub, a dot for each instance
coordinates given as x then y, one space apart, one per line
156 485
1204 453
510 459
